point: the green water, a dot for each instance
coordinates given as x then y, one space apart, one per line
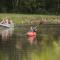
14 44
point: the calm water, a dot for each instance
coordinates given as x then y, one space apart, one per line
15 45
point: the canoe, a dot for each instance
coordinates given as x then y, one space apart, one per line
7 25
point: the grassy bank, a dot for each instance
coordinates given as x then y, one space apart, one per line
26 18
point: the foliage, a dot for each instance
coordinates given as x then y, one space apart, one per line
30 6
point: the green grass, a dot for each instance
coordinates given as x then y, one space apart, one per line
48 53
3 56
23 18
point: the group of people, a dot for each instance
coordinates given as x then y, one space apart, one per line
6 20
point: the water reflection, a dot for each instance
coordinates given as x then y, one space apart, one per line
6 34
6 43
22 49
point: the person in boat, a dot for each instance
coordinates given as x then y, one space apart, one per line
3 21
6 21
32 31
31 35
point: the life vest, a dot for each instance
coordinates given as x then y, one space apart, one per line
31 33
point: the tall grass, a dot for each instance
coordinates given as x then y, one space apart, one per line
47 53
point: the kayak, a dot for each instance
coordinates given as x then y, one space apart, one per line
7 25
31 34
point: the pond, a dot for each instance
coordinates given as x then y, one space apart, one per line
16 45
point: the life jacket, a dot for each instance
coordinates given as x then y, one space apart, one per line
31 34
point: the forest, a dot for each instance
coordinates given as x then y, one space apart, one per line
30 6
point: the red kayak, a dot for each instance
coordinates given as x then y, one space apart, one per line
30 34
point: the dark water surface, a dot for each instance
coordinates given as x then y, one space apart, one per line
14 44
